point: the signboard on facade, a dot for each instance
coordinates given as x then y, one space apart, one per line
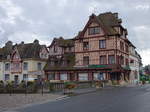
36 73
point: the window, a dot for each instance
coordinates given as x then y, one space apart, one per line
7 77
86 60
7 66
25 66
63 76
39 66
94 30
111 59
55 49
102 60
131 61
85 45
127 48
70 49
122 46
68 62
102 44
25 77
127 62
122 60
83 77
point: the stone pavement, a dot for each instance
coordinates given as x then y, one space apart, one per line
8 102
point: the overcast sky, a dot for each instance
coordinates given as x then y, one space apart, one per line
26 20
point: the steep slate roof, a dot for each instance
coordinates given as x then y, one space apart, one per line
107 21
63 42
30 50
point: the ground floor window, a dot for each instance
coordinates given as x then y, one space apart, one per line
83 77
95 76
63 76
16 79
7 77
99 76
51 76
25 77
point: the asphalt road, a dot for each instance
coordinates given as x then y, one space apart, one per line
121 99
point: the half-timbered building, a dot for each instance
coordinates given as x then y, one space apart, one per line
101 52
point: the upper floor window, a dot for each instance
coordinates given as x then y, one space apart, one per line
39 65
102 44
122 46
102 60
16 66
127 61
85 45
55 48
7 66
86 60
127 48
25 66
122 60
94 30
7 77
111 59
70 49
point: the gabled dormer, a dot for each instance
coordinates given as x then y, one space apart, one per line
15 56
92 28
44 52
16 63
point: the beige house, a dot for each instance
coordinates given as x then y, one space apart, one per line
22 61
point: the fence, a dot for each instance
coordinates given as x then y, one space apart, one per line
47 86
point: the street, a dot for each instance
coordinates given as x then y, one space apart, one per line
119 99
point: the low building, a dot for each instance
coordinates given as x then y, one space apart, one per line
22 61
61 59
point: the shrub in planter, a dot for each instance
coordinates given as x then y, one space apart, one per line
69 85
22 84
32 87
51 87
1 84
9 86
114 82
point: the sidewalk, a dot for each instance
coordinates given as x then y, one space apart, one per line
14 101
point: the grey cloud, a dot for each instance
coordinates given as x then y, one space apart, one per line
52 18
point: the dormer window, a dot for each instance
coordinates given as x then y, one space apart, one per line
94 30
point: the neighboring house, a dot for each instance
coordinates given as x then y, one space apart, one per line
101 51
61 58
22 61
135 64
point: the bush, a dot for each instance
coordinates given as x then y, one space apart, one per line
114 82
69 85
22 84
1 84
32 87
51 87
